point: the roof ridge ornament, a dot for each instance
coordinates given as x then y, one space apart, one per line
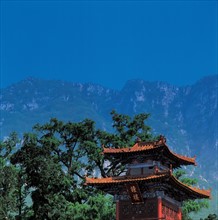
162 140
138 140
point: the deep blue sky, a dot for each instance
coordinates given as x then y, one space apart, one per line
108 42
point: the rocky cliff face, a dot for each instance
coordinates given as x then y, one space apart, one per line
187 116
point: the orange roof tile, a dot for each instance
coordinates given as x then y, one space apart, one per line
135 148
109 180
119 180
203 192
146 146
188 159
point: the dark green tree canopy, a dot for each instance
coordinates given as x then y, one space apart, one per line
42 176
55 158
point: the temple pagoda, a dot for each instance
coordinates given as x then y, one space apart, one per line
148 190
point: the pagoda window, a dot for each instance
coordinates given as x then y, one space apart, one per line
140 165
135 172
140 169
146 168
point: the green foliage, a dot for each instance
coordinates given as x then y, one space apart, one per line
179 174
53 161
194 206
8 194
44 175
97 207
50 165
8 178
190 206
126 130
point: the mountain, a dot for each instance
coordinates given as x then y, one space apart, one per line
186 115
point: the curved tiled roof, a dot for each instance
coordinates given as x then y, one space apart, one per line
118 180
170 179
148 146
202 192
136 148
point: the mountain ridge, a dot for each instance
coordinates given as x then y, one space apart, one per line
186 115
175 111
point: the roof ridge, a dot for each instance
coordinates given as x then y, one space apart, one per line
195 189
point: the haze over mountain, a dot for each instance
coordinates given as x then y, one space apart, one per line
187 115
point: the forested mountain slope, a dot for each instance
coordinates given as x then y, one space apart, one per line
187 115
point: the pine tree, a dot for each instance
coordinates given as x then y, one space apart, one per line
50 165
